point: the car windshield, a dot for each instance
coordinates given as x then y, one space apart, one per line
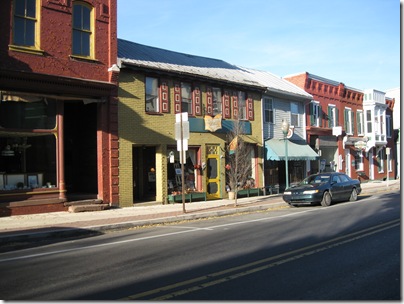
316 179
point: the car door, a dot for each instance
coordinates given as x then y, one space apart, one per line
337 187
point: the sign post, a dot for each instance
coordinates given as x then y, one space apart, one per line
182 136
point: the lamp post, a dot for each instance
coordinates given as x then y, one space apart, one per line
285 130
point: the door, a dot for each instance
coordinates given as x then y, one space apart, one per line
347 162
213 185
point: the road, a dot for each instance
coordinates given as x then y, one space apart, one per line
349 251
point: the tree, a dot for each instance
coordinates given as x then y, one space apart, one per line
238 159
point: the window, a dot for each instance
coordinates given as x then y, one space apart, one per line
315 114
152 98
268 110
294 114
217 101
25 23
348 121
242 106
359 161
369 122
332 116
186 98
388 126
82 30
380 158
359 121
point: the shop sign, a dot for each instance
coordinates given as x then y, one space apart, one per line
360 145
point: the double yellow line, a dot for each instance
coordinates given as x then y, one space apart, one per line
195 284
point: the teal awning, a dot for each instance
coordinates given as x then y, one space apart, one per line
275 150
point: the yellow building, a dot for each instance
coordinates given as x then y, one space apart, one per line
155 86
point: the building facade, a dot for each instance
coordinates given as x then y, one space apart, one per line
155 87
58 135
340 122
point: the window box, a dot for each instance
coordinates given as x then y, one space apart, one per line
189 197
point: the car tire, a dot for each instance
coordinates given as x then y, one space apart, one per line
326 201
354 195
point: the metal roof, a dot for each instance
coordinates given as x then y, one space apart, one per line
275 83
131 53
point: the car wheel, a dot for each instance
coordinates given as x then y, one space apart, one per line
354 195
326 201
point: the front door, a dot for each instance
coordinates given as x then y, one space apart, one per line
213 172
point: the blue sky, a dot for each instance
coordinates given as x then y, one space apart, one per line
356 42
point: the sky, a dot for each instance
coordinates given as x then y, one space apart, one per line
356 42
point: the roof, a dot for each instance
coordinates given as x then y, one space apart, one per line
131 53
135 54
275 83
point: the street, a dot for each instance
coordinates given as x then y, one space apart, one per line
349 251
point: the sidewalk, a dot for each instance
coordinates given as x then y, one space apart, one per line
29 227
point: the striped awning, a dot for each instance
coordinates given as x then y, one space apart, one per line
275 150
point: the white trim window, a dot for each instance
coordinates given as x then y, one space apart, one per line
332 116
269 110
294 114
348 121
152 95
369 121
314 113
359 122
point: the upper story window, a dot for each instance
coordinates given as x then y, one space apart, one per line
294 114
359 122
83 30
152 95
217 101
242 107
348 121
186 98
332 116
315 114
369 122
388 126
268 110
25 29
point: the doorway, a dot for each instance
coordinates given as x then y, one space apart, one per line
144 174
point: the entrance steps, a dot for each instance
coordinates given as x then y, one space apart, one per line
86 205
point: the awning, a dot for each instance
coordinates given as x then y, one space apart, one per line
275 150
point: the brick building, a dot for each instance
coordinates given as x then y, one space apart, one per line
350 128
58 136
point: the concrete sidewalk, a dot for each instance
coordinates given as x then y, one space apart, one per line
20 227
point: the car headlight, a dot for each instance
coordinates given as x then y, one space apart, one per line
310 191
287 193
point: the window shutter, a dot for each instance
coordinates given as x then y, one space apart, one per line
336 117
352 122
165 101
235 105
209 101
250 108
226 105
197 100
330 117
177 97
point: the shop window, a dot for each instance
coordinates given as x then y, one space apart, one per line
82 30
25 114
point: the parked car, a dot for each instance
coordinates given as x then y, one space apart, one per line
324 189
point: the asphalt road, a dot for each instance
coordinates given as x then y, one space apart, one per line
349 251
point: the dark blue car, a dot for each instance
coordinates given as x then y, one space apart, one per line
324 189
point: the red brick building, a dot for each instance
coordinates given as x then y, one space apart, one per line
339 123
58 108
